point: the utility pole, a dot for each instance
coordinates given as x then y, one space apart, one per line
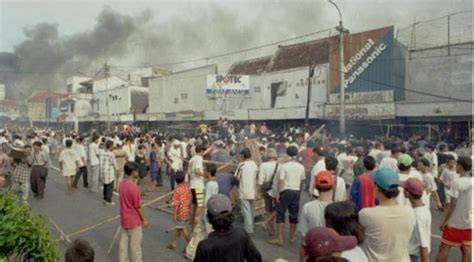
342 112
106 75
308 97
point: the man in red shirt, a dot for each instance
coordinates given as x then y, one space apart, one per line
132 218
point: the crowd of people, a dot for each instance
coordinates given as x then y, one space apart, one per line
368 199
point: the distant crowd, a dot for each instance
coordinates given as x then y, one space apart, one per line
344 199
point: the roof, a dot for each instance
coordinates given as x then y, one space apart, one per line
300 55
42 95
250 67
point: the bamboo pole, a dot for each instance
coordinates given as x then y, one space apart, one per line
114 239
61 232
80 231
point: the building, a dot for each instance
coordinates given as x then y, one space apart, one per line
44 106
439 88
123 103
73 84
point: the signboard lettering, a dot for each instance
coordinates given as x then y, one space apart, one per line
233 85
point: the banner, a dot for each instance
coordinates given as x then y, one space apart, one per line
232 85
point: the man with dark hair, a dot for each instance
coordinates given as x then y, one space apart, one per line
225 243
132 217
196 183
39 171
246 174
290 183
79 251
69 164
362 190
389 225
94 164
108 166
391 161
319 166
457 225
81 152
339 192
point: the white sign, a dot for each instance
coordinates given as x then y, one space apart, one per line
362 111
355 59
228 85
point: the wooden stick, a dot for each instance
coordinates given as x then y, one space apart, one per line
61 232
113 240
115 217
162 209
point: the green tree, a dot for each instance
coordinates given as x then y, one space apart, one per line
23 233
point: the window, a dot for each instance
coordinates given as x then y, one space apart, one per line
184 96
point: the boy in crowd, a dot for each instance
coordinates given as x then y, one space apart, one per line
182 203
420 241
457 225
312 214
226 243
132 217
377 245
362 190
212 188
196 182
429 183
79 251
448 176
405 162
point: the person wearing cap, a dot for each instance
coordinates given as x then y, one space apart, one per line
405 162
246 174
269 172
226 243
319 165
420 241
457 225
322 242
312 214
388 226
291 179
362 190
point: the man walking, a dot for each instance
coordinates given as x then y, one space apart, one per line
246 174
94 162
81 152
20 175
39 171
132 217
108 167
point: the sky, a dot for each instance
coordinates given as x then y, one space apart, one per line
74 16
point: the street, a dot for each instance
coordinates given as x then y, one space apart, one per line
83 209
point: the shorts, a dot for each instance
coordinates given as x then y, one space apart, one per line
198 196
456 237
269 203
180 224
289 200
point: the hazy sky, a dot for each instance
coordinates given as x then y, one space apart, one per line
75 16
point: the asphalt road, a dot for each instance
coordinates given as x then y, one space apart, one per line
83 209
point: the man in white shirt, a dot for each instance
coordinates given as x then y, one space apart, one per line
196 178
339 189
81 152
68 164
175 158
388 226
291 179
420 241
457 225
94 164
246 174
391 161
130 148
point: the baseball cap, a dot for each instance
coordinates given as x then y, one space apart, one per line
272 153
324 179
386 178
219 204
322 241
413 185
405 160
